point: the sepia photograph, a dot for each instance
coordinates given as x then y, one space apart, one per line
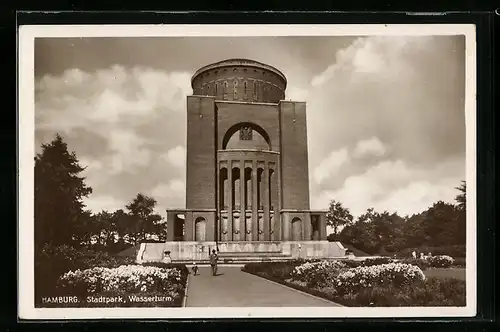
247 171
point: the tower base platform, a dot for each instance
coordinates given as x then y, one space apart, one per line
240 252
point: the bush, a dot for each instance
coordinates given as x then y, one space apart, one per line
120 280
376 261
451 250
92 259
396 274
50 263
440 261
182 268
352 263
389 285
317 273
53 261
433 292
459 262
421 263
273 270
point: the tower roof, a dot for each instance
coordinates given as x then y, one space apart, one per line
239 63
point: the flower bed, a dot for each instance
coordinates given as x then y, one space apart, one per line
151 285
358 283
394 274
440 261
316 273
132 285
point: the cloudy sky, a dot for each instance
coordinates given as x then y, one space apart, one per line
386 126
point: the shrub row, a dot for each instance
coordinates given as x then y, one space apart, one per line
358 283
451 250
53 261
434 292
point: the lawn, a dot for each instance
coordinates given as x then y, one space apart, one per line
371 283
456 273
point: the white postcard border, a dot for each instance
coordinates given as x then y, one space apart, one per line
26 131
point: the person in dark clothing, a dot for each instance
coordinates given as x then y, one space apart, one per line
213 262
195 269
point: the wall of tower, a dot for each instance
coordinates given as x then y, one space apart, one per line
294 157
201 153
264 116
242 83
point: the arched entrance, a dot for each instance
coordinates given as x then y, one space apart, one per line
246 135
200 226
296 229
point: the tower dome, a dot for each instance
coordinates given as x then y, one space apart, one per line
240 80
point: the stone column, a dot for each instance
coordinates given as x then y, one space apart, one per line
266 202
188 226
229 229
170 225
322 228
275 202
243 197
255 205
219 208
211 221
307 227
285 218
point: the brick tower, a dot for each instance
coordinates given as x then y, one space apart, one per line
247 162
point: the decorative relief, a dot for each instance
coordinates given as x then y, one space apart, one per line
246 133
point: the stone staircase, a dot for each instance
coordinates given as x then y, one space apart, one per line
241 252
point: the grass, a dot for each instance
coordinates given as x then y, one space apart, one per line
443 287
456 273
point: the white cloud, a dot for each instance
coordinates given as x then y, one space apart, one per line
171 194
296 94
91 165
368 147
104 202
109 96
330 165
378 55
111 107
406 92
176 156
128 151
417 196
391 186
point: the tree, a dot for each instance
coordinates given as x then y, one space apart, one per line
361 235
105 228
142 221
59 190
439 224
85 229
337 216
461 197
442 225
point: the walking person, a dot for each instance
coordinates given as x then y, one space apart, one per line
213 262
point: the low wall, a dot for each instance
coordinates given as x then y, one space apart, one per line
179 250
313 249
200 251
256 246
